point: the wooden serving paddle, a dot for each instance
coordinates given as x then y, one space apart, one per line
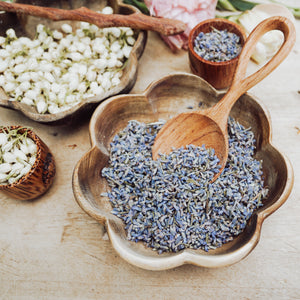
135 21
209 127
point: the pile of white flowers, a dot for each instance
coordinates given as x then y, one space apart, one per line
59 69
17 155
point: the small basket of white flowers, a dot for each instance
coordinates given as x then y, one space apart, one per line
27 167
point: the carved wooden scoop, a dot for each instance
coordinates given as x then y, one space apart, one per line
209 127
135 21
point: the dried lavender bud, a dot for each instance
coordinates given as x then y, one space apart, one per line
217 45
170 204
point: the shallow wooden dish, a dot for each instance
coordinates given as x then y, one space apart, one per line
163 99
26 25
218 74
40 177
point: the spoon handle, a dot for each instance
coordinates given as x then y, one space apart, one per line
240 84
136 20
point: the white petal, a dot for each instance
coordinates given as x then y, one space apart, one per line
5 168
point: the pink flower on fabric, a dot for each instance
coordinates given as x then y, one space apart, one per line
191 12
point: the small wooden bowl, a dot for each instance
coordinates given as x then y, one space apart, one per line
218 74
40 177
164 99
26 26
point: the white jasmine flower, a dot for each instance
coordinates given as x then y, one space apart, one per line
116 31
80 33
41 106
2 40
84 25
66 28
130 40
24 147
2 80
3 139
19 155
53 109
128 31
106 84
115 47
8 157
75 56
5 168
70 98
27 101
32 147
57 35
20 68
3 178
82 87
25 170
31 94
100 63
40 28
4 53
33 157
9 87
11 33
107 10
91 75
24 86
3 65
48 76
55 87
115 81
87 52
126 50
24 77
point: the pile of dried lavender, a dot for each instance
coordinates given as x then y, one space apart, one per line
217 45
170 204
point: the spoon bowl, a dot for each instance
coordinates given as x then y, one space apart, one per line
209 127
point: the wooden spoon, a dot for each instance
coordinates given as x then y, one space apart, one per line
135 21
209 127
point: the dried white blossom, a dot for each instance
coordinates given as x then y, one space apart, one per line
17 154
55 71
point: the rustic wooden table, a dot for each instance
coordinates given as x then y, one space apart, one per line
50 249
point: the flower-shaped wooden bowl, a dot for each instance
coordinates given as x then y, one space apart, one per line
164 99
26 25
218 74
40 177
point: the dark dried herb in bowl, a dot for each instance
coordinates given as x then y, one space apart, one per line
170 204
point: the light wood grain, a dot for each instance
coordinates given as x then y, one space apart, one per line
50 249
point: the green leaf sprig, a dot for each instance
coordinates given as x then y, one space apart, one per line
243 5
139 4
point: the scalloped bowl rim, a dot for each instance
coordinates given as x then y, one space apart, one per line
186 256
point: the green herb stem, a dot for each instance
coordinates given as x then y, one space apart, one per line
139 4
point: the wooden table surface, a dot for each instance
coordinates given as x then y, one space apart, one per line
50 249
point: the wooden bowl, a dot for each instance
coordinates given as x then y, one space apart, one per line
26 26
218 74
164 99
40 177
